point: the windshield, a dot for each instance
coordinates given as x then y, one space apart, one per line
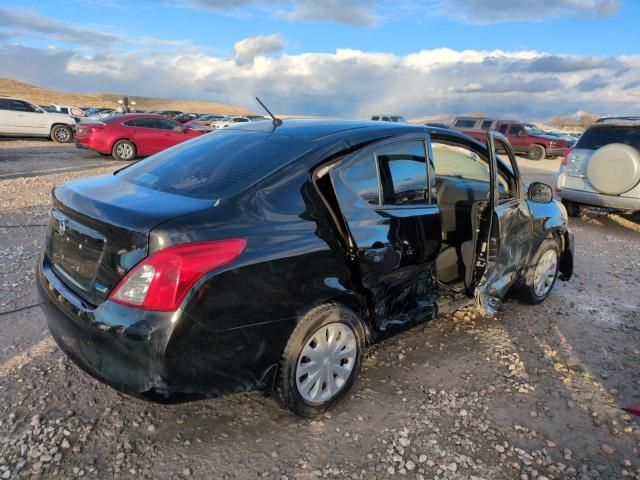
216 165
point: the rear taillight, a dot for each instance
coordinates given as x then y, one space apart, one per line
565 156
162 280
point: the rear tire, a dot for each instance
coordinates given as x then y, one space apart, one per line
573 208
543 273
536 152
123 150
322 359
61 134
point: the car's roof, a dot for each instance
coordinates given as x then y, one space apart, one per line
628 120
316 129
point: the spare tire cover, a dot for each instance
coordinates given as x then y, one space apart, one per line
614 168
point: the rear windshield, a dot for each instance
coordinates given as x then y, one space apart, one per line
217 164
596 137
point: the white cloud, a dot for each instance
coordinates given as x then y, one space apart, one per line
494 11
18 22
246 50
354 12
349 83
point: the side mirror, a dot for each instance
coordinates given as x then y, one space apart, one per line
540 192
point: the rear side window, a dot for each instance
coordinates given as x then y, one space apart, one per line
486 125
503 128
403 173
516 129
465 123
362 177
215 165
596 137
4 104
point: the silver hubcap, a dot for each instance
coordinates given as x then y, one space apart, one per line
61 134
536 152
124 150
545 273
326 362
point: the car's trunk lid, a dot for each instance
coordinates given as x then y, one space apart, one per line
99 229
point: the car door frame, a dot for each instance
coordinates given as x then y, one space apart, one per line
383 303
503 236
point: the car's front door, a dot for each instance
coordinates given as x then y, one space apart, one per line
393 227
28 119
503 239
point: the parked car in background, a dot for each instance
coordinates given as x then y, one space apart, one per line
389 118
21 118
208 118
168 113
257 118
197 125
262 257
70 110
101 113
437 125
524 138
131 135
603 169
186 117
230 121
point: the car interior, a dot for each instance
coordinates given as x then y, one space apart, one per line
461 187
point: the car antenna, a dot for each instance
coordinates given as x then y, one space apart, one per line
276 121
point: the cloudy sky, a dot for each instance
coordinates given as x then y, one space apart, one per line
350 58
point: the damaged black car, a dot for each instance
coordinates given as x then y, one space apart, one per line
267 257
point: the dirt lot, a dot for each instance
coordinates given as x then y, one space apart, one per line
535 393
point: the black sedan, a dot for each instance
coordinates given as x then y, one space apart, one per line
268 256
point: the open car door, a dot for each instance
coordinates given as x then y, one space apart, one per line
502 230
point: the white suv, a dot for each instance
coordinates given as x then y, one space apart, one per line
21 118
603 169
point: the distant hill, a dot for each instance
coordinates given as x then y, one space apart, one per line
43 96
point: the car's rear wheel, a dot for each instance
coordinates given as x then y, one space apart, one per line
573 208
536 152
543 272
321 360
61 134
123 150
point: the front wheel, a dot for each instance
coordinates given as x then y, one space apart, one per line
123 150
321 360
536 152
543 272
61 134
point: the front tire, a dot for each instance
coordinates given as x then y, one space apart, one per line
543 272
321 360
536 152
61 134
123 150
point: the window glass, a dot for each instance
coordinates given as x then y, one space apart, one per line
516 129
465 123
19 106
461 162
403 173
164 124
596 137
131 123
145 122
64 110
503 128
216 165
486 125
4 104
362 177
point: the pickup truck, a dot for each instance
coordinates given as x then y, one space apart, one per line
524 137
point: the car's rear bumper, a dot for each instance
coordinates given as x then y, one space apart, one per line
599 199
160 356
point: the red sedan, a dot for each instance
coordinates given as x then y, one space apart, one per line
133 134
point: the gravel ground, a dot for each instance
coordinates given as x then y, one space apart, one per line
534 393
